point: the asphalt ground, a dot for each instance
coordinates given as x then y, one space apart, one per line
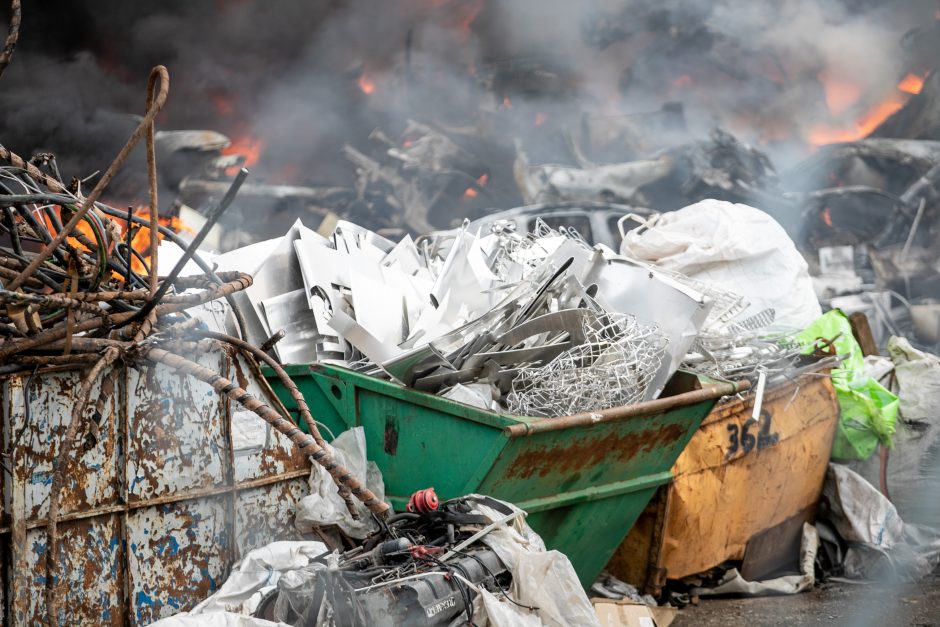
830 604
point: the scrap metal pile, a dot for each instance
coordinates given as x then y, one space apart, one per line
542 323
71 298
537 324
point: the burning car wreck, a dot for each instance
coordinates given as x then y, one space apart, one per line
468 312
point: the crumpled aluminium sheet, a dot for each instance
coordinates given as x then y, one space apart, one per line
431 316
542 579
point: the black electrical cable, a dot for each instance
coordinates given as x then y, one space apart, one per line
190 251
14 234
498 585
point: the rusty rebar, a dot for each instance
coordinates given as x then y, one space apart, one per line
42 338
50 301
211 219
13 33
303 410
152 182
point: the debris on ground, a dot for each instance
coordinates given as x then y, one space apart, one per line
470 559
877 543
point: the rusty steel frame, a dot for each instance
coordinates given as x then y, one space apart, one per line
154 513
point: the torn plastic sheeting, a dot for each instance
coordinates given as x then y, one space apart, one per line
609 587
542 579
869 411
324 506
880 543
215 619
258 572
734 583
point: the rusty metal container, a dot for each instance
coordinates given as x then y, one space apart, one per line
157 505
739 492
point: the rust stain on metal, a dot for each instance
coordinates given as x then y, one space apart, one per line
277 457
176 438
264 513
93 578
177 556
750 488
155 511
92 474
569 456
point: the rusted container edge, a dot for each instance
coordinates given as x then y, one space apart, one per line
659 405
787 387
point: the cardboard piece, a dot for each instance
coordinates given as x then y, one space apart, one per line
626 613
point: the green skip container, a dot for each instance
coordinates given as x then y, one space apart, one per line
583 479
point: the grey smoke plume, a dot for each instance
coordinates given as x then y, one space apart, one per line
287 72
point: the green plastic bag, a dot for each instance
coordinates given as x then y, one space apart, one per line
869 411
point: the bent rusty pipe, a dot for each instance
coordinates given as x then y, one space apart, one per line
657 406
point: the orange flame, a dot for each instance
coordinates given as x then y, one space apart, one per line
911 84
139 242
541 118
863 127
838 94
245 146
827 217
481 181
82 227
366 84
141 239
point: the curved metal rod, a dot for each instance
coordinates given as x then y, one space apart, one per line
16 16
